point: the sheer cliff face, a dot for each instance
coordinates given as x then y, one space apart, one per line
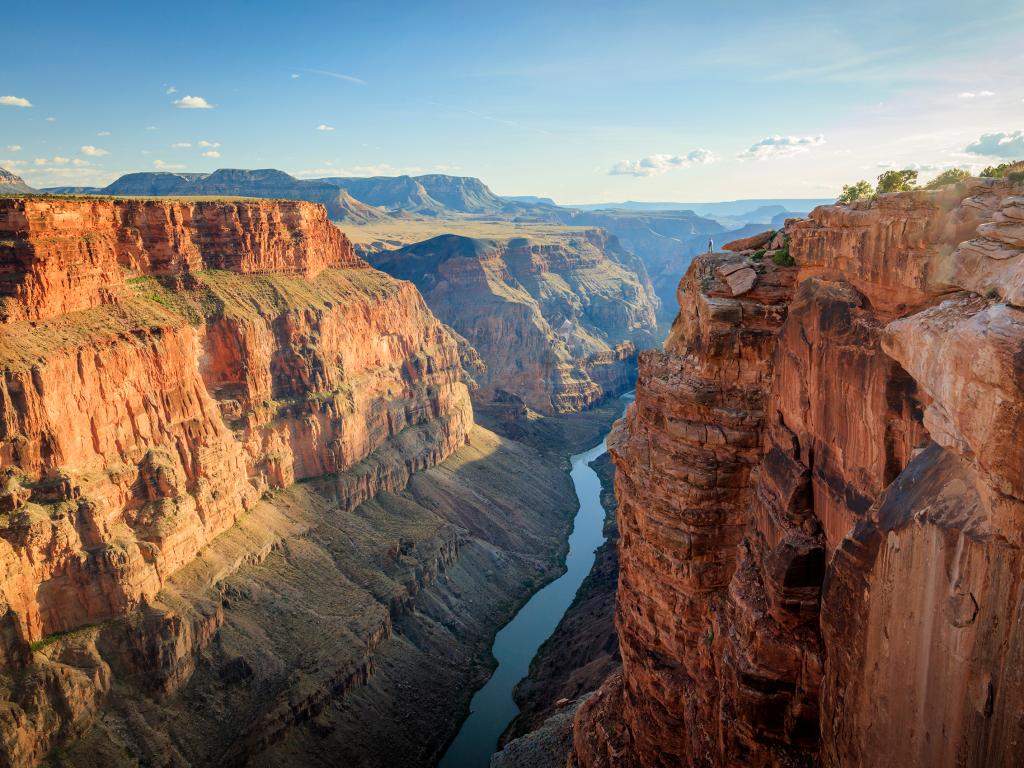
166 363
820 493
556 323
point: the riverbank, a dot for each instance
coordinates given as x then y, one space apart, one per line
493 707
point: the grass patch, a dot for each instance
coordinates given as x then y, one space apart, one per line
782 257
39 645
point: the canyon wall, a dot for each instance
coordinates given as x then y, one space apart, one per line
165 364
820 499
557 321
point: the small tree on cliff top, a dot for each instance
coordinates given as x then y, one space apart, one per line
944 179
859 191
897 181
1003 169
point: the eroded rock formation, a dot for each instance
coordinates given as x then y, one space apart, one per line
820 500
165 364
557 322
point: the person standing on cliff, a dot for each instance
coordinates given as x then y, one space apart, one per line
711 245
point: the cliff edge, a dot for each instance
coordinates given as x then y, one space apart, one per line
820 499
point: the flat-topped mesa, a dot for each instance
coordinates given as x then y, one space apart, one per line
141 417
821 499
556 319
59 255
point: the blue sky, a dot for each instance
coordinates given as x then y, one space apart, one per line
582 102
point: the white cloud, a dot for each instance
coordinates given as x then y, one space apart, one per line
781 146
325 127
103 133
655 165
161 165
181 145
204 143
295 77
211 153
976 94
171 89
92 151
14 101
56 160
1008 144
10 162
14 147
51 119
192 102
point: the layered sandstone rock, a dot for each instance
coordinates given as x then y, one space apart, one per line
163 365
820 495
557 322
59 255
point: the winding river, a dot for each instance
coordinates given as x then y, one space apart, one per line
492 707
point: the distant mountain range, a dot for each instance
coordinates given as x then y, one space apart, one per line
14 185
351 199
363 199
730 208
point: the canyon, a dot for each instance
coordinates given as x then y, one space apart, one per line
246 515
819 499
265 501
557 320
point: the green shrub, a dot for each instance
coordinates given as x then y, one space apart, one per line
944 179
1017 177
897 181
859 191
998 171
758 254
782 256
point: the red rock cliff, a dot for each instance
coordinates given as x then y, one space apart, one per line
820 500
152 387
62 255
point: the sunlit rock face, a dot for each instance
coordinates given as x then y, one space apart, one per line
556 321
166 363
821 492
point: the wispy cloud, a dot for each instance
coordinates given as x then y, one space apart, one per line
51 119
192 102
975 95
92 151
295 77
58 160
164 166
655 165
337 76
171 89
103 133
205 143
14 101
325 127
14 147
1007 144
781 146
211 153
181 145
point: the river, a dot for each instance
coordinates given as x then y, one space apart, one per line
515 645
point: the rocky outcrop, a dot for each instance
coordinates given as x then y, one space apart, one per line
12 184
557 321
60 255
165 364
820 497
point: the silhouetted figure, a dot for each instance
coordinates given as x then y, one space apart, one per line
711 245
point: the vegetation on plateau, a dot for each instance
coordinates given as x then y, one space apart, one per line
906 180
